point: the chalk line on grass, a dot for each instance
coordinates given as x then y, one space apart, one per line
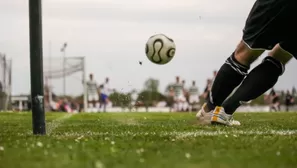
180 135
51 126
127 121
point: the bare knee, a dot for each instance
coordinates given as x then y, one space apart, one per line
245 55
280 54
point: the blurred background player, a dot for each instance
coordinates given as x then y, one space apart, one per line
185 105
92 92
289 100
134 96
179 97
207 89
193 96
209 83
214 75
274 101
170 98
105 91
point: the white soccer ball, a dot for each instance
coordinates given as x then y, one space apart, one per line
160 49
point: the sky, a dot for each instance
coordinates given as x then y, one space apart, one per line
111 35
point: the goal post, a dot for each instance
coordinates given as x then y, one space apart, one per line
5 82
36 67
71 70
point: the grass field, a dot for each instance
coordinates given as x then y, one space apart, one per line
152 140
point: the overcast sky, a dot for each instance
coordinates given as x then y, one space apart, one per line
111 34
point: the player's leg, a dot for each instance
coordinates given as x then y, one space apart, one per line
97 103
103 101
175 103
90 103
261 32
258 81
266 26
191 102
194 101
236 67
185 105
106 101
179 103
231 74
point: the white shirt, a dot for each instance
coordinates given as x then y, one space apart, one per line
193 90
92 87
106 89
178 89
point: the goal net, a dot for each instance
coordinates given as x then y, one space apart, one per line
64 80
5 82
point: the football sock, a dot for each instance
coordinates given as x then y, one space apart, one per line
185 106
228 77
180 106
257 82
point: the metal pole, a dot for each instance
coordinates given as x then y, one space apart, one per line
36 67
50 98
85 100
64 67
64 75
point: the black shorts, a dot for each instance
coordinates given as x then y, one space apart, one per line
275 100
271 22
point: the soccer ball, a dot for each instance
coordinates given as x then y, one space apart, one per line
160 49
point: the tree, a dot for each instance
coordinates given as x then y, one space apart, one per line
151 95
151 85
150 98
120 99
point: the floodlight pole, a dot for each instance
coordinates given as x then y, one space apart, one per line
63 50
36 67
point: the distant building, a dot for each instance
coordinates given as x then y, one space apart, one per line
20 103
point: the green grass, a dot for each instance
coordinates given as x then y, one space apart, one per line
152 140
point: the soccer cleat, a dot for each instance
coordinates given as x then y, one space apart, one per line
199 113
220 117
203 116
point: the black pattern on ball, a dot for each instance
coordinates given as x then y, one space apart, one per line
158 52
146 48
170 53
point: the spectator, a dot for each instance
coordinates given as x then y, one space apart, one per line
214 74
289 100
275 103
170 98
207 89
1 87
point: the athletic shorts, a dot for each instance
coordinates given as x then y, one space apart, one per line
194 99
103 97
271 22
93 97
180 98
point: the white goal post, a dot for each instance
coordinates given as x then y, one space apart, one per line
61 68
5 82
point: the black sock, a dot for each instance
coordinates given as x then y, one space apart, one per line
228 77
257 82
